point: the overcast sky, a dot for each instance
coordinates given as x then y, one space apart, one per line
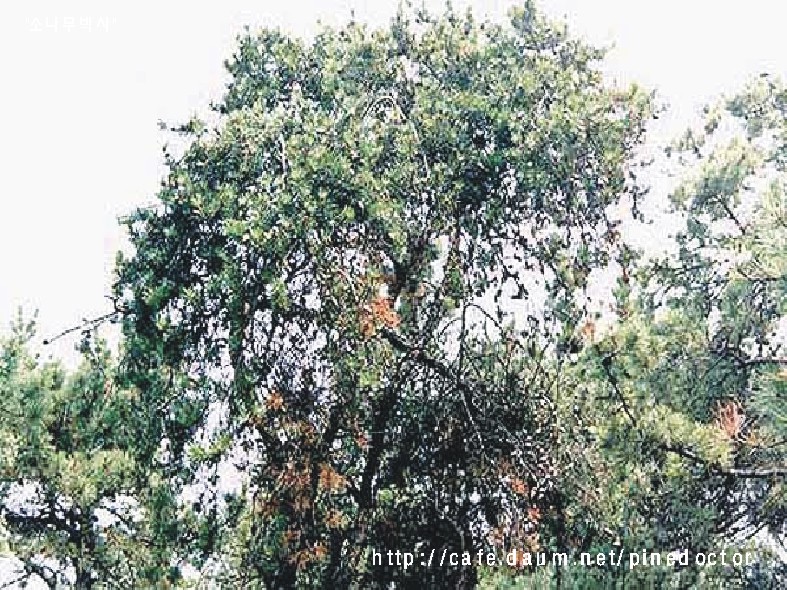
83 85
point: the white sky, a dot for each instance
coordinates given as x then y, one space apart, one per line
85 83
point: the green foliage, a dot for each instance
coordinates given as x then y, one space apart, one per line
692 454
332 267
677 436
358 320
71 501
